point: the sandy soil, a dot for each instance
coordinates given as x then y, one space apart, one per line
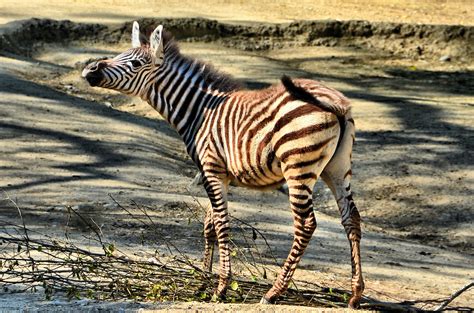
63 143
62 150
249 11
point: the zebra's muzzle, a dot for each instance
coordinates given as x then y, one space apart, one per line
93 74
94 78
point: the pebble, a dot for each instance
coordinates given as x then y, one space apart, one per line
445 58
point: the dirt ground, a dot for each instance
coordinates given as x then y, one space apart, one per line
452 12
63 143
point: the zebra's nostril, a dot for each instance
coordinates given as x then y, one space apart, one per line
100 65
93 74
95 66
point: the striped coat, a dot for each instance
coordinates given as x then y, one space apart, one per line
293 132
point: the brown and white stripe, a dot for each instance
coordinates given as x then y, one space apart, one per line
293 132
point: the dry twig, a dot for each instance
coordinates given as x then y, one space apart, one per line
31 260
445 303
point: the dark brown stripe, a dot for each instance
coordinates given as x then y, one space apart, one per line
302 206
299 197
304 163
303 133
302 187
306 149
212 164
295 113
296 253
303 176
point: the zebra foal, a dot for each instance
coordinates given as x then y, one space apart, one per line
293 132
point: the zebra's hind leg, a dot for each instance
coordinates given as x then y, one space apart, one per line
304 221
209 240
338 181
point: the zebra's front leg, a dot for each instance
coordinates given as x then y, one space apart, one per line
209 240
216 190
304 223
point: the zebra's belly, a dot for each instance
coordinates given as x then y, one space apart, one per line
246 180
238 182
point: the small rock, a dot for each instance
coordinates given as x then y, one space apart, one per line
108 104
110 206
153 260
445 58
139 253
419 50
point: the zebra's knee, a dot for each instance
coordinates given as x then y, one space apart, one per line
209 229
351 225
310 223
210 234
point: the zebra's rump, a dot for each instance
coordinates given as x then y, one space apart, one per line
298 138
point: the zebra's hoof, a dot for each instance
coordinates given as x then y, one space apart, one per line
354 303
216 297
264 300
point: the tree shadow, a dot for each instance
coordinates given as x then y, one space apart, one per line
32 113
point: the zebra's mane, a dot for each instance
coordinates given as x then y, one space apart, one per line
219 80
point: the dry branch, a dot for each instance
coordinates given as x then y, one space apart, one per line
59 266
30 260
454 296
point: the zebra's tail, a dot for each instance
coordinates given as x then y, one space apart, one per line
338 109
302 94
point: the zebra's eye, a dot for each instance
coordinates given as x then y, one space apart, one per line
136 63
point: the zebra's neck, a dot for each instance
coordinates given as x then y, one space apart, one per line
184 96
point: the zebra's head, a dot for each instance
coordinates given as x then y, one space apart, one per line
128 71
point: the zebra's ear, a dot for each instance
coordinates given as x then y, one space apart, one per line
136 35
156 44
